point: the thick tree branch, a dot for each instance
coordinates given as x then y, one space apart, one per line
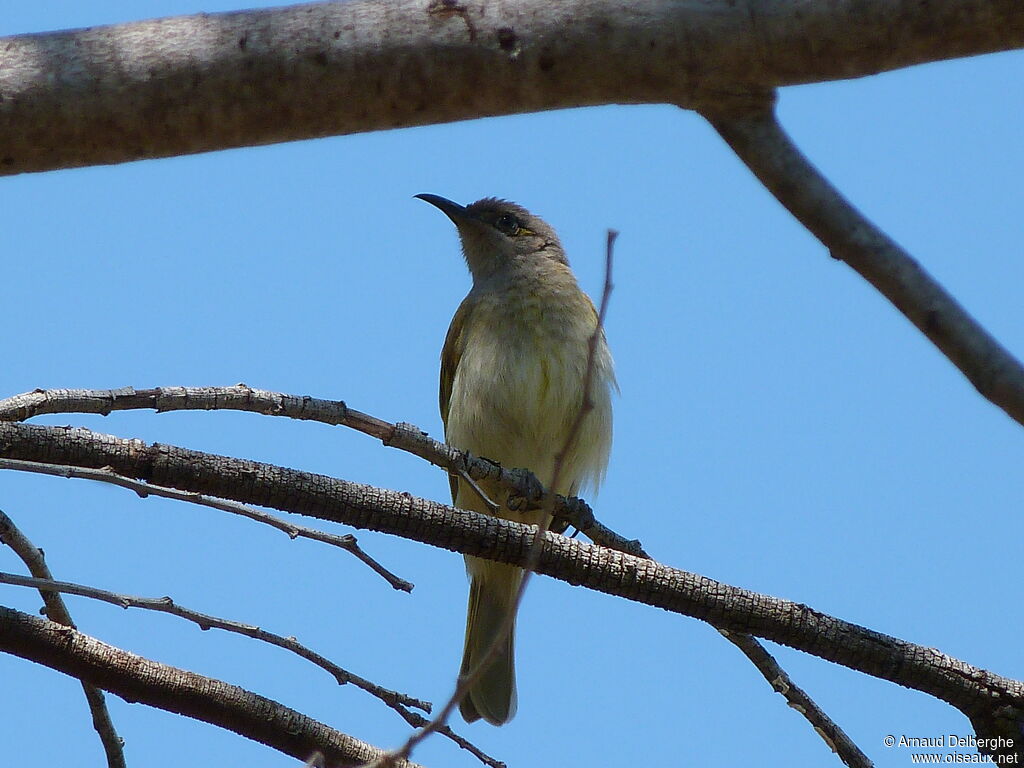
974 691
213 81
56 610
137 679
241 397
760 141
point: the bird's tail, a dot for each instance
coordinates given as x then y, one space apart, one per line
492 592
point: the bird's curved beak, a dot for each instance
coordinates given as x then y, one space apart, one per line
457 213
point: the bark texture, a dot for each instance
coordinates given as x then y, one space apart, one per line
137 679
214 81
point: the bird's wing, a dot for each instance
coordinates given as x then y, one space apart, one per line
451 356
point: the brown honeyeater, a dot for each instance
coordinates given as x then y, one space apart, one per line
513 370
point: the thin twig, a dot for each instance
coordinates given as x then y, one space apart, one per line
494 507
416 720
348 542
587 405
834 737
241 397
393 699
755 135
56 610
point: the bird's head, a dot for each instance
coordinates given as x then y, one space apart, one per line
498 235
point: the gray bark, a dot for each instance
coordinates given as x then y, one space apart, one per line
214 81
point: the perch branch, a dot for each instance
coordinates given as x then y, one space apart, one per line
242 397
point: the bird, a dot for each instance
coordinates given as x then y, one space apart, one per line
513 370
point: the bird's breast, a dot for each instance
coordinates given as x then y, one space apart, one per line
519 385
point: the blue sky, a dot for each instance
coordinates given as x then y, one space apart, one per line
781 427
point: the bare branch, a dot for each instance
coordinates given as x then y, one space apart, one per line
348 542
213 81
394 699
56 610
494 507
834 736
760 141
972 690
241 397
417 720
137 679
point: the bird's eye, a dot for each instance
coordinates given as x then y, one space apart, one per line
508 224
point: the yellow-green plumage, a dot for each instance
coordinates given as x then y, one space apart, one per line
512 375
